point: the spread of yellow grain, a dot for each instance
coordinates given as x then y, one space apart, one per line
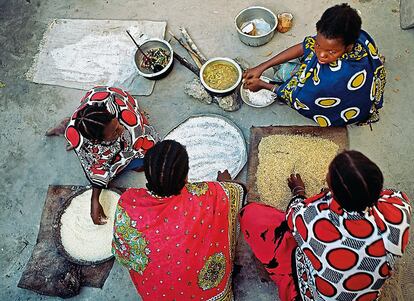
281 155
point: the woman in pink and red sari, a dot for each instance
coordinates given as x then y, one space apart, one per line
177 238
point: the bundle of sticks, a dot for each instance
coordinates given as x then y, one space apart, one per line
187 43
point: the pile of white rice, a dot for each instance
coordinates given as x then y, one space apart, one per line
282 155
80 237
260 98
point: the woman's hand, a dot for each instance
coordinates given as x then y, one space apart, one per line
255 84
255 72
97 214
296 185
325 190
223 176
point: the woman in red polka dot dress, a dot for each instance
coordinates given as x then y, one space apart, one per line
109 135
177 238
338 245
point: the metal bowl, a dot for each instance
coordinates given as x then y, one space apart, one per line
147 45
252 13
226 91
245 97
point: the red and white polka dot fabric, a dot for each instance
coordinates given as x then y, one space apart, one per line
347 255
103 161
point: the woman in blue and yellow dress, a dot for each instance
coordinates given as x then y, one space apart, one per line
339 79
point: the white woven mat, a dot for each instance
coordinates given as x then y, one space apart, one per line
82 54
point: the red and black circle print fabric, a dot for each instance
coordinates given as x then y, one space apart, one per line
348 255
104 161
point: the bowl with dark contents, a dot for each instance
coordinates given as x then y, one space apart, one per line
157 61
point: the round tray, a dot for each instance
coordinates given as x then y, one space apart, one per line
57 224
233 167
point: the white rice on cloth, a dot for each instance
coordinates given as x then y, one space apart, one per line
80 237
282 155
213 144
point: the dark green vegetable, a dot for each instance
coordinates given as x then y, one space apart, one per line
157 57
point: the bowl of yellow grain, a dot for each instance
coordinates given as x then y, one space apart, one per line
220 75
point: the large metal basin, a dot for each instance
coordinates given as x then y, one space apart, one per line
249 14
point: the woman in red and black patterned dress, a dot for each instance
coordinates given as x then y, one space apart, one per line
338 245
110 135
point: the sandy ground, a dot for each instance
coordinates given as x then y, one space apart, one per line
29 162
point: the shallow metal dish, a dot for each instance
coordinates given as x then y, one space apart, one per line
244 96
147 45
249 14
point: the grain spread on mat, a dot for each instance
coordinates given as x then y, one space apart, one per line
281 155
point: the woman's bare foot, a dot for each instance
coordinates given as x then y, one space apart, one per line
69 147
58 130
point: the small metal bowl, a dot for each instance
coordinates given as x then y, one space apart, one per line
245 97
226 91
147 45
249 14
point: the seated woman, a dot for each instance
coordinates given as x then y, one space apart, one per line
176 238
338 245
109 135
340 78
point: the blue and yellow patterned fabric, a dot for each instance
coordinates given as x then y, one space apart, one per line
347 91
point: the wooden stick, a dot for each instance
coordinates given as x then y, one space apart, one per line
193 55
196 60
187 64
193 46
139 48
183 44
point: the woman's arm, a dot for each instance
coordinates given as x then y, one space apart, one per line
283 57
226 177
97 214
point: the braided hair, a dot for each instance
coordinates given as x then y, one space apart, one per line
340 22
92 120
356 182
166 168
